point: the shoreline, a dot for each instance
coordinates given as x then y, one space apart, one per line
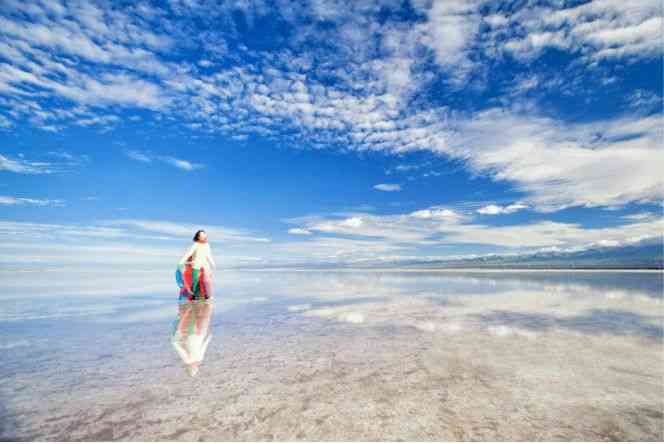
383 270
457 270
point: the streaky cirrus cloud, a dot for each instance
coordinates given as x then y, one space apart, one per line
13 200
183 230
387 187
65 162
148 157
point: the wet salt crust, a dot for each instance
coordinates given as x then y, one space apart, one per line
383 357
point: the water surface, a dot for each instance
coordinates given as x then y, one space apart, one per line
337 356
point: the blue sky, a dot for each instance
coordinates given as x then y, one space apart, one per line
327 131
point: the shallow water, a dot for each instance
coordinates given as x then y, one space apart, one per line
338 356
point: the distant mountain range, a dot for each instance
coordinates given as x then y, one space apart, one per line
645 255
648 254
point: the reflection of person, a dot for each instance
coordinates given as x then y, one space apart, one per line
199 258
191 335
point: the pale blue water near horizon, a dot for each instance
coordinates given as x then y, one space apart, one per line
337 355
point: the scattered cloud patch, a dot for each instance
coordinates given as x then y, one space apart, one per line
642 216
5 123
65 163
596 29
644 100
299 231
497 209
450 30
181 164
388 187
11 200
437 213
139 156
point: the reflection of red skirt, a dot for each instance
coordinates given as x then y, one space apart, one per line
198 280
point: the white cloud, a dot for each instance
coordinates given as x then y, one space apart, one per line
186 230
5 122
75 55
331 249
103 120
645 100
23 167
147 157
388 187
561 165
123 242
406 167
497 209
70 159
642 216
450 29
352 222
137 155
397 228
300 231
547 233
495 20
11 200
43 232
440 213
599 29
182 164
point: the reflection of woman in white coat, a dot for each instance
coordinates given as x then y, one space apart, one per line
191 335
198 278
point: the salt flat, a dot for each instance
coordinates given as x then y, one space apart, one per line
351 356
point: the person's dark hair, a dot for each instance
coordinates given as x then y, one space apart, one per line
197 234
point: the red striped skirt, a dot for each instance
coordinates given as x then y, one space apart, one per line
194 283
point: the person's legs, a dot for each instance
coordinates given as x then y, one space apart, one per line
187 278
202 284
195 279
185 315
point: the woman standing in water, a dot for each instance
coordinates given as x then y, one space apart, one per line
191 334
197 276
